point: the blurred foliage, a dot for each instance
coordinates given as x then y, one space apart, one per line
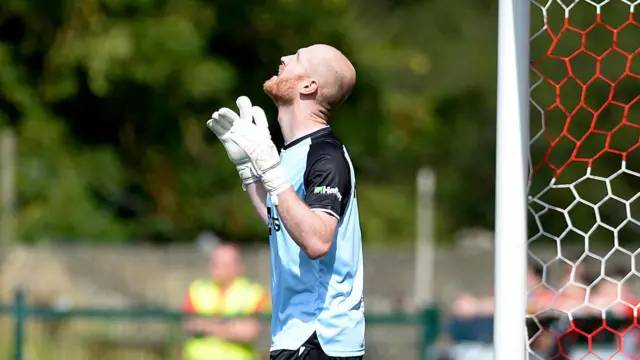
110 97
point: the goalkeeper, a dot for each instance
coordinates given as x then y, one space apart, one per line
306 197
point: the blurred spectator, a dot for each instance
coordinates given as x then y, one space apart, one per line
470 327
606 296
225 294
470 330
617 300
473 316
573 287
539 296
468 306
570 296
614 296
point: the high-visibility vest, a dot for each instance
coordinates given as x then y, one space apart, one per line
241 298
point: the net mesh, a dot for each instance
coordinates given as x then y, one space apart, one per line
584 185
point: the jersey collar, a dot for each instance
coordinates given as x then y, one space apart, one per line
324 130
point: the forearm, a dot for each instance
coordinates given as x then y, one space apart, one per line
258 197
305 226
240 330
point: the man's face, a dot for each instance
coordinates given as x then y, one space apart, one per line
224 264
285 87
533 280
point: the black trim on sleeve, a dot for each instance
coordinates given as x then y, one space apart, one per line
327 179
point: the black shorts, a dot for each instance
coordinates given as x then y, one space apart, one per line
310 350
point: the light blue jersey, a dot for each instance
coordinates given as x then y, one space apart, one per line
324 296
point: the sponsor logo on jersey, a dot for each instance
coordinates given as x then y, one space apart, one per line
326 190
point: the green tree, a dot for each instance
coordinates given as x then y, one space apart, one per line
110 97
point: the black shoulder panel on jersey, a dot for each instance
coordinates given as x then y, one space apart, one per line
327 179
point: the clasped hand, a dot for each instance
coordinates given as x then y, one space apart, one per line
247 140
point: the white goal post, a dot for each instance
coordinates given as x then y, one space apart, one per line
511 178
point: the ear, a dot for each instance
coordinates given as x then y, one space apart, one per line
309 87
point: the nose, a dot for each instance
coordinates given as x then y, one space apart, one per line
286 59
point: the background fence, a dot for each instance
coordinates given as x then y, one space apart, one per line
155 334
70 289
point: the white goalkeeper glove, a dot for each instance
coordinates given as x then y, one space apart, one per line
254 140
245 169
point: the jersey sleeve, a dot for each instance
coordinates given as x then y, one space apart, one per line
327 179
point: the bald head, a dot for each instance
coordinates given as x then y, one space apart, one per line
320 73
225 263
335 74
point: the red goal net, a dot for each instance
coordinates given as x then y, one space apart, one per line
584 186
